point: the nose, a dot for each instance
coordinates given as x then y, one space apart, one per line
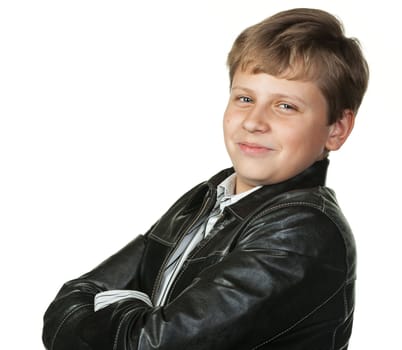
256 121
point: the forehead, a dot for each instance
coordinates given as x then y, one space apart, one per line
269 84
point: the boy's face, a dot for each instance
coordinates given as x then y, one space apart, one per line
274 128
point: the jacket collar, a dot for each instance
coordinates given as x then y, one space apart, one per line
313 176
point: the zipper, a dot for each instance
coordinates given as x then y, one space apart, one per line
201 212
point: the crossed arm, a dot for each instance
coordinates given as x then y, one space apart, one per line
237 303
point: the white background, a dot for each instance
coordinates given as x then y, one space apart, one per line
112 109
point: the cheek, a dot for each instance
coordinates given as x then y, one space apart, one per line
297 137
228 122
232 117
230 130
312 140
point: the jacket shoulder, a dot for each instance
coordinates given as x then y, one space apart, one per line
321 200
307 222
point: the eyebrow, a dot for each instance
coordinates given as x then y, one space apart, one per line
276 95
242 88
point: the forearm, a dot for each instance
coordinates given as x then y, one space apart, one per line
223 308
64 314
262 288
75 300
236 303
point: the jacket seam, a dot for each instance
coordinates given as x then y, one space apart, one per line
281 206
184 267
63 321
119 328
181 272
290 204
311 205
161 240
300 320
158 279
218 253
198 248
347 314
345 302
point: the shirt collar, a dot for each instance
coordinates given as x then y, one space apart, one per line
226 192
311 177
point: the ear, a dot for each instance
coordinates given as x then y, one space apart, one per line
340 130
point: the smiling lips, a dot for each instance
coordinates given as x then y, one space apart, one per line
254 149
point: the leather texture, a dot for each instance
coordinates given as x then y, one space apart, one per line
276 272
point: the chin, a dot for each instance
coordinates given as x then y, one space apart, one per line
253 180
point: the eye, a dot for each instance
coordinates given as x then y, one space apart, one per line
286 106
245 99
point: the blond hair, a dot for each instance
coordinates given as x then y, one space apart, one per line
309 45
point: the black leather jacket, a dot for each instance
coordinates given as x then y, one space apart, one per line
276 272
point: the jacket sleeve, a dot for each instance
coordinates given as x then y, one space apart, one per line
75 300
277 275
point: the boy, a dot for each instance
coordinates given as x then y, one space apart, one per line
259 256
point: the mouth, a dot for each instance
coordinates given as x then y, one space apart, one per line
254 148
